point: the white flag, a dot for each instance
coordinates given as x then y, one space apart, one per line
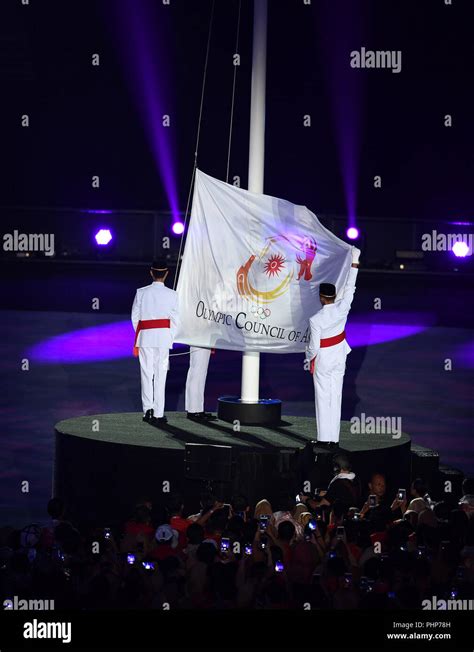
251 270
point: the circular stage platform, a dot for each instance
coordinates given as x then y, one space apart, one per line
104 463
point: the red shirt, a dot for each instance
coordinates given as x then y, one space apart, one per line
162 551
181 525
379 537
131 527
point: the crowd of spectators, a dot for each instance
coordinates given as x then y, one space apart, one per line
347 547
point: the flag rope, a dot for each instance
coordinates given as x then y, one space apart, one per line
233 94
198 135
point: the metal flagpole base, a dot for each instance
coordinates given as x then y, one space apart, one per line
264 412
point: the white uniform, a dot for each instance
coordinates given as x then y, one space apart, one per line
330 363
196 379
155 301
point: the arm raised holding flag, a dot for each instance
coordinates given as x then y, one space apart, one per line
327 352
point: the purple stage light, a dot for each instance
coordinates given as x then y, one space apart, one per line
460 249
352 233
178 228
143 47
94 344
115 340
103 237
464 355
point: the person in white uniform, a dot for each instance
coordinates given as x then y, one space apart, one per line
327 352
196 383
155 320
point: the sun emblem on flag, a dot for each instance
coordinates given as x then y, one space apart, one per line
283 261
274 265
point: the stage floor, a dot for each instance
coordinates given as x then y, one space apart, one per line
75 375
104 462
293 433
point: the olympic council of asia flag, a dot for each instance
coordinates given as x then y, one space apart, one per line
251 270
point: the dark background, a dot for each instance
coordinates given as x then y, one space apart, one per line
86 120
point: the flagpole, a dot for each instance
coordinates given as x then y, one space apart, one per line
249 408
250 360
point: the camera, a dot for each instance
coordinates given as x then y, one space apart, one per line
131 558
402 494
279 567
365 584
372 500
148 565
263 522
248 549
316 578
225 544
226 507
107 533
340 532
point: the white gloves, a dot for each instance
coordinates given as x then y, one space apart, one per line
355 255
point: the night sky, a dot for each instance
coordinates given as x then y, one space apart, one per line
87 120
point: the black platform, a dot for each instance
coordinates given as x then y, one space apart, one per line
264 412
105 462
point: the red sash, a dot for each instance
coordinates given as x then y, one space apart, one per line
331 341
327 341
145 325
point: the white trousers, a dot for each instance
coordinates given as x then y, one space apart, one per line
196 379
153 371
328 378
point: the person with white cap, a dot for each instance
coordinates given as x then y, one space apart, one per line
155 321
327 352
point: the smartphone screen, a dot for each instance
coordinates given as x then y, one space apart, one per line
263 522
148 565
225 544
340 532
